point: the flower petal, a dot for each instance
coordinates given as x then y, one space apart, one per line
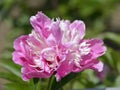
97 48
56 31
98 66
19 43
28 74
64 69
41 23
77 29
39 20
19 58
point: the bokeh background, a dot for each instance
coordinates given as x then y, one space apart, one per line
102 19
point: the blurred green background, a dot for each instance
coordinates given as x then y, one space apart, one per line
102 19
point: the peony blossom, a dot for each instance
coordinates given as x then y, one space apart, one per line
56 47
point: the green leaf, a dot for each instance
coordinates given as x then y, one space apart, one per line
11 67
15 79
118 67
16 86
20 86
58 85
117 82
10 77
38 85
112 36
116 61
109 59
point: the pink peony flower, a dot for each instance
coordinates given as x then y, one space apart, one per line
56 47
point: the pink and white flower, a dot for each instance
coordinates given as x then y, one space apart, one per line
56 47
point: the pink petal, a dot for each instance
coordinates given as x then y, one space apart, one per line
40 23
28 74
64 25
39 20
79 26
19 58
97 48
64 69
19 42
92 64
57 33
97 66
51 41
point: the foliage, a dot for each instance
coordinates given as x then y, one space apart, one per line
95 13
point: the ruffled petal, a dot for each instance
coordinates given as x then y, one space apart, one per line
64 69
28 74
98 66
97 48
19 43
19 58
77 29
51 41
41 23
56 31
39 20
94 64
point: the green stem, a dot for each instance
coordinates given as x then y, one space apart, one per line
35 81
49 83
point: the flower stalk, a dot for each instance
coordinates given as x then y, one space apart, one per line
49 83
